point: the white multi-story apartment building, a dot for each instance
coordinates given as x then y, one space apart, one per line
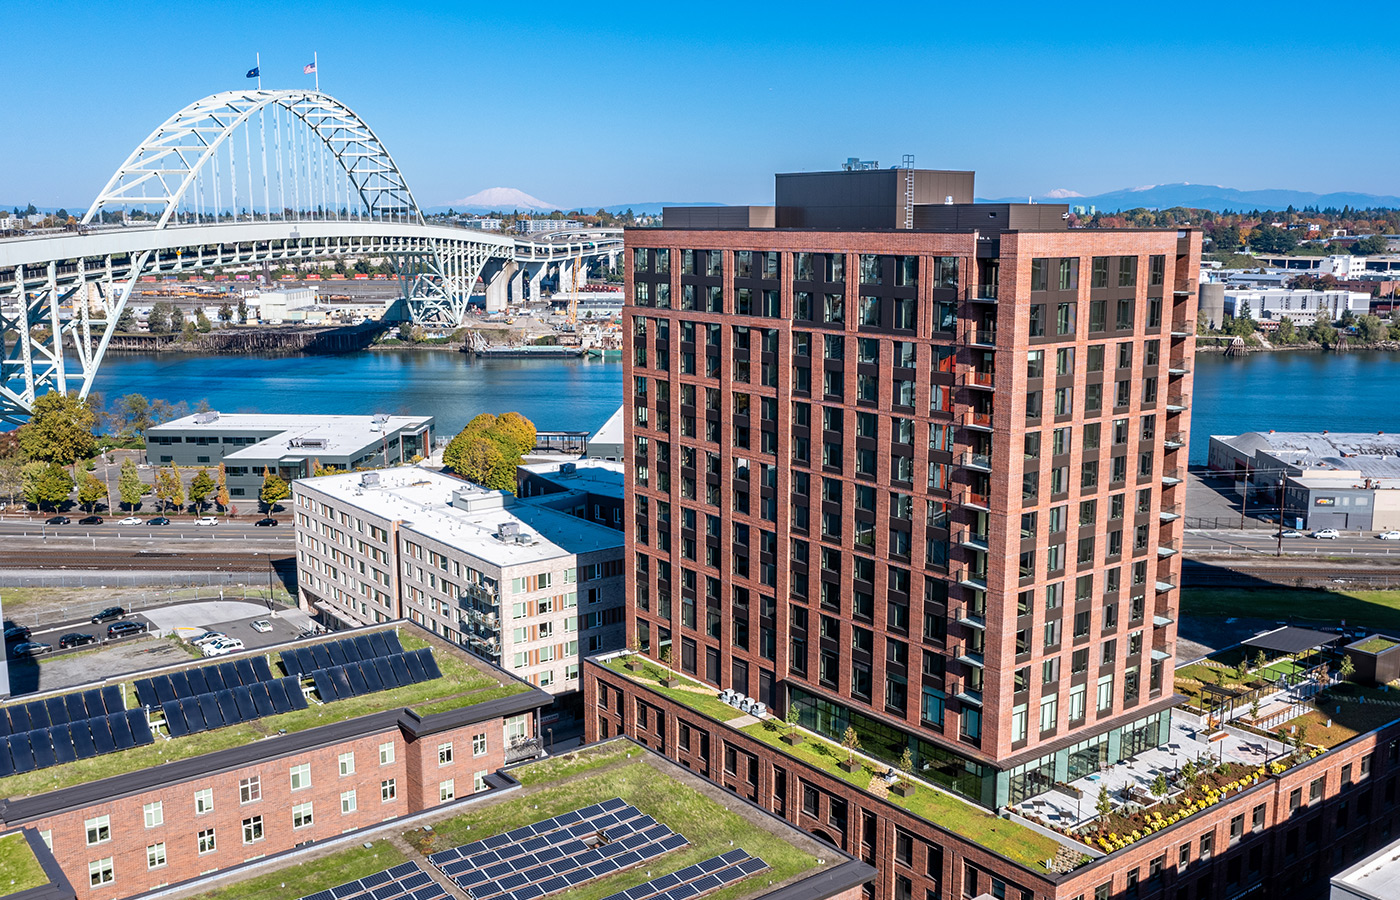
526 586
1301 307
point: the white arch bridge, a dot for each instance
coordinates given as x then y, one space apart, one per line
248 178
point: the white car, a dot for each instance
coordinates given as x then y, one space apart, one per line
262 626
207 637
206 520
220 647
132 520
1389 536
1330 534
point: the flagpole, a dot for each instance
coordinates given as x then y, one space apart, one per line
316 67
259 60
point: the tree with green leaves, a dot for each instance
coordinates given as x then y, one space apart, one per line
11 477
91 491
851 741
1369 245
274 490
126 322
1160 786
225 313
1104 805
170 490
59 430
201 489
1286 333
1347 668
201 321
51 487
488 450
1260 660
1371 329
130 487
158 319
243 312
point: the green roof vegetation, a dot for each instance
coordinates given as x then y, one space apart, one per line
1366 609
697 696
462 684
311 875
1376 644
603 772
19 868
1015 842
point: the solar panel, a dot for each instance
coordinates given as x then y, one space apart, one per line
385 673
262 702
111 698
336 652
230 673
400 670
41 742
708 883
291 662
355 674
209 706
325 686
20 753
188 683
146 693
38 715
391 642
371 675
163 689
363 648
6 767
727 875
77 708
752 866
433 892
194 717
19 720
244 699
673 842
140 727
246 674
430 666
63 751
294 695
321 656
175 720
4 722
227 707
346 890
278 694
56 710
121 730
379 644
415 667
261 670
81 734
213 680
342 684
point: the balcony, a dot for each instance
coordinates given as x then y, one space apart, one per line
981 421
976 378
1164 585
971 499
1161 621
980 337
1175 441
966 616
970 658
1183 328
976 581
982 462
1173 477
1177 369
969 695
973 540
1166 549
1169 513
1176 401
985 293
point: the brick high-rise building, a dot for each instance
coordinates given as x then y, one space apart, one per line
915 465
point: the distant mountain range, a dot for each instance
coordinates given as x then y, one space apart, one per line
1213 197
500 199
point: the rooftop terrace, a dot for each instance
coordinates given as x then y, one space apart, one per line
465 682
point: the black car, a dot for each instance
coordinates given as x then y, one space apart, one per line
158 520
31 648
111 612
75 639
268 522
122 629
90 520
17 633
58 520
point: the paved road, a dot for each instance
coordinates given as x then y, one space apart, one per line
1262 542
228 536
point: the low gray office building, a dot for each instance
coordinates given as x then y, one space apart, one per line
290 446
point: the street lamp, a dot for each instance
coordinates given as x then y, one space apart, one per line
1278 551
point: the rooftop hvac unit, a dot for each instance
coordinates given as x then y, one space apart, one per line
308 443
206 418
369 479
380 418
508 531
568 468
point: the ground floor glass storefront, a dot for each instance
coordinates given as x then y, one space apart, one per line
976 781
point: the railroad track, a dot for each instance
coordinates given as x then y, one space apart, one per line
162 561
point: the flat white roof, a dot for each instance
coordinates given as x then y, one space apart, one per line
610 432
422 500
1377 876
341 435
596 476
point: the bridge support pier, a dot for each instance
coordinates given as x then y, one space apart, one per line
498 287
517 284
536 281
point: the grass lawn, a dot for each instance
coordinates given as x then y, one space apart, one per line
1368 609
1376 644
1030 848
569 764
19 869
460 685
651 675
302 878
708 826
1349 718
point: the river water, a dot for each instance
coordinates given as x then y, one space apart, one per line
1290 391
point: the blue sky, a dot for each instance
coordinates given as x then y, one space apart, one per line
605 103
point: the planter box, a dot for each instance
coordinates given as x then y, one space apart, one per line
671 682
634 664
849 767
792 738
902 789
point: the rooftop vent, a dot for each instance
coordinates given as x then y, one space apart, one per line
381 418
308 443
206 418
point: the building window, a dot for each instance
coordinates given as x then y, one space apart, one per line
302 815
347 764
388 790
447 790
250 789
99 830
100 872
154 814
206 841
479 744
347 802
445 754
155 855
301 776
479 781
253 830
386 753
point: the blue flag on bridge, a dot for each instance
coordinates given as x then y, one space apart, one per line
252 73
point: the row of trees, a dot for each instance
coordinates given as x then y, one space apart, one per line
1369 329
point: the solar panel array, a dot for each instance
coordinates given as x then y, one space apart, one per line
556 854
403 882
77 707
379 673
64 742
161 689
329 654
692 881
230 706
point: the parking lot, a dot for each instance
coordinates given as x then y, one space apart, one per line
161 645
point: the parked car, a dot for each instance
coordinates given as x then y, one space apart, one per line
111 612
124 628
200 640
75 639
1327 534
1389 536
206 520
58 520
17 633
1289 533
262 626
90 520
220 647
31 648
132 520
267 522
158 520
